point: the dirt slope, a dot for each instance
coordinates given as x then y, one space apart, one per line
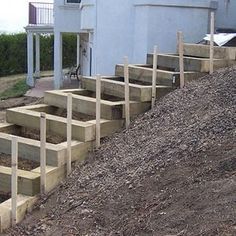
172 173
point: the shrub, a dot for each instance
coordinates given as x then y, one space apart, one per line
13 51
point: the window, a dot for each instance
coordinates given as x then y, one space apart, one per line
73 1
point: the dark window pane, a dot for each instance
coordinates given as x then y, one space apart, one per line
73 1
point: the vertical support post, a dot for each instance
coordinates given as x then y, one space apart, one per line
0 224
43 153
14 179
78 50
154 76
212 25
69 131
37 56
30 59
127 103
181 58
57 60
98 111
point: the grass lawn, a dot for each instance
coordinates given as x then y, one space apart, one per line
17 90
15 85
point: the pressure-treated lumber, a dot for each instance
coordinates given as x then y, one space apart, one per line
42 153
14 178
200 50
30 149
98 110
212 26
164 77
116 88
127 97
24 205
87 105
82 131
69 132
28 181
190 63
154 76
181 58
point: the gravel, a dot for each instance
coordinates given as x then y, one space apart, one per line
173 172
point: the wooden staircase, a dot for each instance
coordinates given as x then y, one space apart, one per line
196 64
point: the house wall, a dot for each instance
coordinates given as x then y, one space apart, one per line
114 34
67 18
132 27
226 14
157 23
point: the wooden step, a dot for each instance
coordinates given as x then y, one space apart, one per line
138 92
200 50
190 63
30 149
24 205
111 108
29 181
164 77
29 116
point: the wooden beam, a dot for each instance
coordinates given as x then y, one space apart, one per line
98 111
181 58
69 131
42 153
154 76
14 179
212 25
127 101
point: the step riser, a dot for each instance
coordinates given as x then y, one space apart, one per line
168 78
30 150
199 50
137 92
29 119
145 75
29 181
24 205
109 110
190 64
83 106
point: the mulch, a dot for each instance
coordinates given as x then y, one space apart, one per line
173 172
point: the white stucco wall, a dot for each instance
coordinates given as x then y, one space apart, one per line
132 27
114 34
67 17
226 14
157 23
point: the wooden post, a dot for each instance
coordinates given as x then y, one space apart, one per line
98 111
154 76
181 58
127 103
69 131
212 42
14 179
43 153
0 224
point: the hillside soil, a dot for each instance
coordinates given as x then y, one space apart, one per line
173 172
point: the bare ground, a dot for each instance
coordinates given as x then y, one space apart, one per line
23 164
15 102
173 172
